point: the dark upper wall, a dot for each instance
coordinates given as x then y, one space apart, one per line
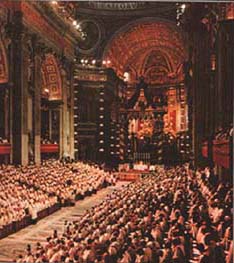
111 17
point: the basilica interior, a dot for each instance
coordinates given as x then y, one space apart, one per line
116 131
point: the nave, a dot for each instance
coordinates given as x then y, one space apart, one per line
172 215
95 95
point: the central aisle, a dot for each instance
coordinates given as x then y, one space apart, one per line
13 245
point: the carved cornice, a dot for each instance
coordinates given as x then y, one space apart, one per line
40 18
61 24
136 8
82 76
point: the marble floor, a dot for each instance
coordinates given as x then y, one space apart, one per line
13 245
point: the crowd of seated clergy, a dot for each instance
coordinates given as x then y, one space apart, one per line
68 182
25 191
173 216
18 200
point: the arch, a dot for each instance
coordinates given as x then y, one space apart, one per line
161 56
132 43
51 78
4 75
157 67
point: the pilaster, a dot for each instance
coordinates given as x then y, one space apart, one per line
37 102
64 121
71 113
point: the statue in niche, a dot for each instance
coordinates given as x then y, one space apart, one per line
30 64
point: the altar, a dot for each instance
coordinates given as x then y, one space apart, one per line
140 167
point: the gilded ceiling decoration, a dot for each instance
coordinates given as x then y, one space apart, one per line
51 79
155 50
123 8
116 5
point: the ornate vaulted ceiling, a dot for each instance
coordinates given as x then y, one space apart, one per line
154 49
110 16
140 38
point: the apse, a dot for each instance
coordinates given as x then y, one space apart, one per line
154 49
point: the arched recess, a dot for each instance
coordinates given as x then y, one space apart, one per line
157 67
131 45
157 57
3 64
51 78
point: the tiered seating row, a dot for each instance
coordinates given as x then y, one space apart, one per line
172 216
31 193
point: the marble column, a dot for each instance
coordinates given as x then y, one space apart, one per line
19 92
201 70
219 86
71 113
63 144
37 103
